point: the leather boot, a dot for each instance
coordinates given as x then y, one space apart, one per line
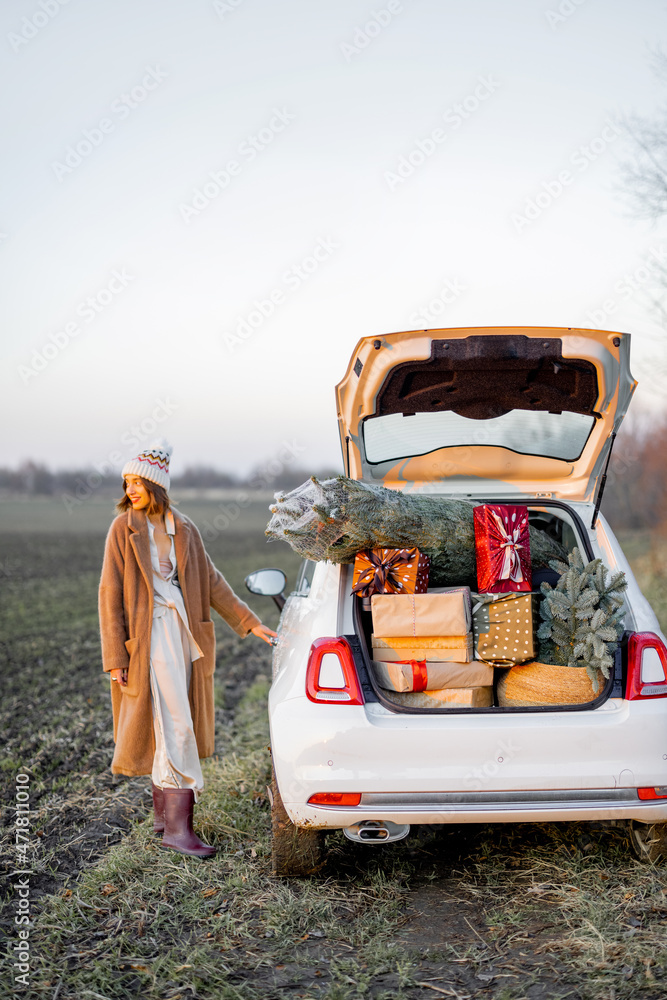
178 833
158 809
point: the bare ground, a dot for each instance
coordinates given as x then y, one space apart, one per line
538 911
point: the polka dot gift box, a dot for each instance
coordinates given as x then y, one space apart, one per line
502 548
503 627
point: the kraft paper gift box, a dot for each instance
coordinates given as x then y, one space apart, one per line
443 648
474 697
389 571
504 627
444 614
502 548
431 675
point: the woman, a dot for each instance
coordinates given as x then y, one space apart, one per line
158 644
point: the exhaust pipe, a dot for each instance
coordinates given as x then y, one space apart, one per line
376 831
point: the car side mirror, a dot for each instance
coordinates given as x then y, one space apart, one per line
268 583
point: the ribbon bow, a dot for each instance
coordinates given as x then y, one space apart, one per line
379 576
511 568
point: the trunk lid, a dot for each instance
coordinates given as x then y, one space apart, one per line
481 411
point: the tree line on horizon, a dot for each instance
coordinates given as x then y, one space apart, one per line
634 498
36 479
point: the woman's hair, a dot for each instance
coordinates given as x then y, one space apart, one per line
159 499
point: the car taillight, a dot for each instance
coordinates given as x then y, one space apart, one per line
647 667
652 793
331 675
335 799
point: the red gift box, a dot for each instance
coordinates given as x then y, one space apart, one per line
502 547
390 571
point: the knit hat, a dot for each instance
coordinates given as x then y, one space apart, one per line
152 464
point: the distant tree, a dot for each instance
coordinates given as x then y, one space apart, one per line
34 479
643 176
636 493
204 477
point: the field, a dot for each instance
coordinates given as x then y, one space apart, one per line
500 912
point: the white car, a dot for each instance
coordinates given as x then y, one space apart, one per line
507 415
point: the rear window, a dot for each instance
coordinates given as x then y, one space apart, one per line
528 432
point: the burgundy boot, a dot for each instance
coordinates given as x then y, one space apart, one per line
178 833
158 809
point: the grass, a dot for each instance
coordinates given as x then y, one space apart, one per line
504 912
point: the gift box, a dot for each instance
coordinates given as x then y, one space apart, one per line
474 697
445 614
390 571
431 675
502 548
445 648
504 627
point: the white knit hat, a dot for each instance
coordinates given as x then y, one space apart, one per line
151 464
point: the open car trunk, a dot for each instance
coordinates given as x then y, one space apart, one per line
559 522
494 415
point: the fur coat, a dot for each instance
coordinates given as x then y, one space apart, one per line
126 616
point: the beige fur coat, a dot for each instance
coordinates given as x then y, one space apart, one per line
126 616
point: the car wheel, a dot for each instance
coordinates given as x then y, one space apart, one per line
295 851
649 840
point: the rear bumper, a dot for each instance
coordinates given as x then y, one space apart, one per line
543 806
469 768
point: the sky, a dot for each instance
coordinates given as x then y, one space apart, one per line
206 205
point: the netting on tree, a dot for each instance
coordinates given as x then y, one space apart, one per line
334 519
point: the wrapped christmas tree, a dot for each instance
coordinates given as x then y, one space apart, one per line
337 518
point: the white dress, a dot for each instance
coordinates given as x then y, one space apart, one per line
173 648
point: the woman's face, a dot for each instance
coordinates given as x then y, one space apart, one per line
138 494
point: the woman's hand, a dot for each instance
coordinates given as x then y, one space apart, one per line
265 633
119 676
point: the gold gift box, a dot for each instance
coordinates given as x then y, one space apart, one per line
447 648
446 613
474 697
503 627
432 675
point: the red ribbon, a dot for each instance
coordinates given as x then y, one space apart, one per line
419 673
379 577
508 544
